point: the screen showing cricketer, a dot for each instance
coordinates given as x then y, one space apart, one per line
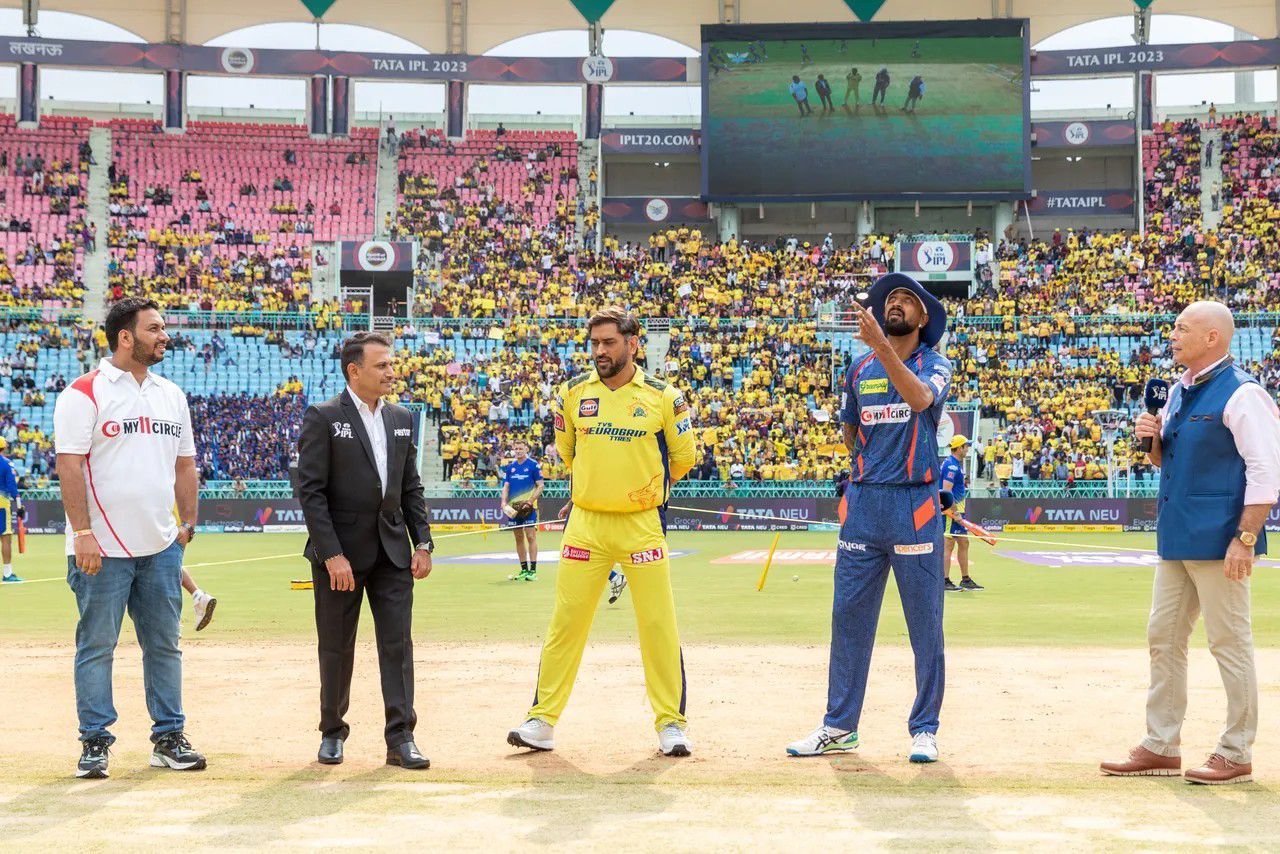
862 111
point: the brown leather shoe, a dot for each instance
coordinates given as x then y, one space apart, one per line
1218 770
1144 763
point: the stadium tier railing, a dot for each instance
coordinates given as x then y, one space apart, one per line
306 319
1121 488
280 489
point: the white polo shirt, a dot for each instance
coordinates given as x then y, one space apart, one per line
131 436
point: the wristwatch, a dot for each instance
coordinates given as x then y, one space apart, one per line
426 544
190 529
1247 538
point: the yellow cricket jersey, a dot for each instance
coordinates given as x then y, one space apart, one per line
623 448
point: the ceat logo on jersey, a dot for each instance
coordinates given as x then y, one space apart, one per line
647 556
935 256
891 413
1077 133
575 553
589 407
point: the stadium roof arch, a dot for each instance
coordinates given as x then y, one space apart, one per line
476 26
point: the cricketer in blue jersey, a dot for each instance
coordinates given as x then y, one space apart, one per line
521 488
10 507
891 404
953 481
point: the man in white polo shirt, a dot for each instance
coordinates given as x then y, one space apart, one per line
126 455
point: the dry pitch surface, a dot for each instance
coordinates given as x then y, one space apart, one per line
1023 731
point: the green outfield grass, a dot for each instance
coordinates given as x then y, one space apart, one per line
1023 604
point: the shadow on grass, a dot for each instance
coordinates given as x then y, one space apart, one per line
563 803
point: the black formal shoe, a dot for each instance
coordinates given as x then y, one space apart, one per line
407 755
330 751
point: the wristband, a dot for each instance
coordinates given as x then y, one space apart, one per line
87 532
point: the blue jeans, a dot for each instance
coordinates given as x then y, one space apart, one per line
151 588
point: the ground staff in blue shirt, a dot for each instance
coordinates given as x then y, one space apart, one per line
521 489
954 482
892 401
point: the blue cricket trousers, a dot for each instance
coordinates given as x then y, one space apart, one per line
898 526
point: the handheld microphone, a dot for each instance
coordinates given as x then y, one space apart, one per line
1154 398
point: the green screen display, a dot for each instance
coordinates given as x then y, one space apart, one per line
865 111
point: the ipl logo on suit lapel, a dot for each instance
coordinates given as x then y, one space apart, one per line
342 430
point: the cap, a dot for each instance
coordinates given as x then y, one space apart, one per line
933 331
959 441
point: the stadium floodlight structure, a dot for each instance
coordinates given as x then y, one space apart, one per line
1112 422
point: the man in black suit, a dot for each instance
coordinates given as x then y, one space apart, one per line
368 533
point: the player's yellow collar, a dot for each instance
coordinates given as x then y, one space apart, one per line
636 379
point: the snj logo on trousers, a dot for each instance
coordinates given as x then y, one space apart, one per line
143 425
647 556
892 413
575 553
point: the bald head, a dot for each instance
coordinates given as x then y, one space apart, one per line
1202 334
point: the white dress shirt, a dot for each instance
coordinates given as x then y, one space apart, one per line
1254 421
377 430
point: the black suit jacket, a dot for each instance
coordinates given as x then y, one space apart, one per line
341 496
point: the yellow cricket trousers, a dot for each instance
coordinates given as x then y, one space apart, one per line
592 543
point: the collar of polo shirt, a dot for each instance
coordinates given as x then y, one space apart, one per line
112 373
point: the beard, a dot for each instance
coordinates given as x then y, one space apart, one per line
144 356
612 368
897 327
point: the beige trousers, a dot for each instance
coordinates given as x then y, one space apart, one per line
1183 590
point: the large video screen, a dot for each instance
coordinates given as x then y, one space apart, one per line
808 112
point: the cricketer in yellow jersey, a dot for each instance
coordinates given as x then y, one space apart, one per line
625 438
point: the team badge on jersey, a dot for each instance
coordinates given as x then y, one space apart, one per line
638 412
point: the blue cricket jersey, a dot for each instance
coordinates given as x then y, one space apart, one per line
953 470
521 479
894 445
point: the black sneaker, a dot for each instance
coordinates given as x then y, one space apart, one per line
93 759
970 584
950 586
174 751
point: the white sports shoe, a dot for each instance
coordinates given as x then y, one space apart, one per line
202 605
822 740
924 747
616 585
534 734
674 741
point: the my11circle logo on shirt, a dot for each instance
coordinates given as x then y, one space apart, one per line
891 413
143 425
